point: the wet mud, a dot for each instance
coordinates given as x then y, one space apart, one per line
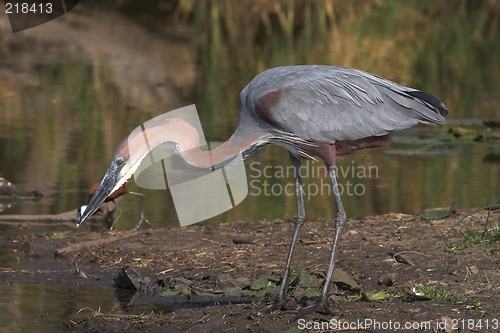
395 268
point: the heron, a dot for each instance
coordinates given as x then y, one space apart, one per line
118 193
310 110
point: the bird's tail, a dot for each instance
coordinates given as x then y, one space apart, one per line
430 99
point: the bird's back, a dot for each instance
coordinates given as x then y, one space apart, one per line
329 103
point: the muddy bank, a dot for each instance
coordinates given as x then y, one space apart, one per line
237 265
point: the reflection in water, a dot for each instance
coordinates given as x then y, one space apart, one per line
72 88
69 98
36 306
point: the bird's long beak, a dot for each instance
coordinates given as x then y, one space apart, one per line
104 189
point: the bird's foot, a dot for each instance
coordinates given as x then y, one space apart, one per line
320 306
279 303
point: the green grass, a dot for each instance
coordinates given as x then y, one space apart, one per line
487 238
475 305
437 293
454 298
397 294
440 294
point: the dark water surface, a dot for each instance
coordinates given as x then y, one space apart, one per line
37 306
66 100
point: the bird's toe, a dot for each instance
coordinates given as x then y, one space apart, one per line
277 304
321 306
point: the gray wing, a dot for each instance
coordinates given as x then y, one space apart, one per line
326 103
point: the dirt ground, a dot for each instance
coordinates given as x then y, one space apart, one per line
238 265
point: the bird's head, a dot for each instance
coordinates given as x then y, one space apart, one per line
120 171
132 150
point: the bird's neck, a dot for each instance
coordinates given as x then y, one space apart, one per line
186 139
230 152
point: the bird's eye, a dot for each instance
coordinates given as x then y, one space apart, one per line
119 161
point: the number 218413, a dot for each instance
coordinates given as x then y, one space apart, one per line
25 8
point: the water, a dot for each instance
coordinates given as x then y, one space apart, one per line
37 306
66 100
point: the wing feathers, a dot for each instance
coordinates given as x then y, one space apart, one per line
432 100
326 103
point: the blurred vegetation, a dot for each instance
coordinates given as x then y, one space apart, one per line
448 48
54 127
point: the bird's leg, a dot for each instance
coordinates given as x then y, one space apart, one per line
143 218
280 300
321 304
119 214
